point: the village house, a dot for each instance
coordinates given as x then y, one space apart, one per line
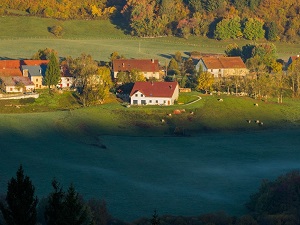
34 70
154 93
149 67
223 66
16 84
35 73
66 79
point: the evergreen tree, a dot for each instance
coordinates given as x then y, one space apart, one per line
20 207
173 67
54 208
52 75
74 210
155 219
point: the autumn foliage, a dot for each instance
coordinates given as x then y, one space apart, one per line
220 19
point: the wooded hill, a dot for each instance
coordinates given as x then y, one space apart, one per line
220 19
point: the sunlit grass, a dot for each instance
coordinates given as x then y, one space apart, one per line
21 37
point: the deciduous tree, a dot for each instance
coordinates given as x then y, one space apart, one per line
205 81
253 29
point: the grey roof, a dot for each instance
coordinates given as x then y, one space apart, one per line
35 70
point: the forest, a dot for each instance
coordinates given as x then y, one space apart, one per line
276 202
219 19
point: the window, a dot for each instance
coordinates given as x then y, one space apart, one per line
135 102
164 101
156 101
150 101
36 80
68 85
219 70
37 85
68 79
11 89
211 70
136 95
142 95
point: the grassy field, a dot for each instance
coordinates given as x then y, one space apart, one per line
21 37
66 115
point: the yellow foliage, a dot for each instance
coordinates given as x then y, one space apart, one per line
95 11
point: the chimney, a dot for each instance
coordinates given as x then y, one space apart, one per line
152 60
170 86
123 64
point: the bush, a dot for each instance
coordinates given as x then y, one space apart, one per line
57 30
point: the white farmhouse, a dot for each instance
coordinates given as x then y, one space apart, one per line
154 93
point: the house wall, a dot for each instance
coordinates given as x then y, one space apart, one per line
235 72
66 82
150 101
138 98
147 75
38 82
14 89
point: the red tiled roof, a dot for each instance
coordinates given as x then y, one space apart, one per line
31 62
11 64
144 65
223 62
10 72
154 89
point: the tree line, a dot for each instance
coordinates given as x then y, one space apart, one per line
219 19
276 202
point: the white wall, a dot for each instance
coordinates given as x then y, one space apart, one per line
138 97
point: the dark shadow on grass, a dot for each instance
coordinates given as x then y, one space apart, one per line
167 56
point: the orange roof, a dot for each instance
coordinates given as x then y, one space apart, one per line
144 65
11 64
154 89
223 62
10 72
30 62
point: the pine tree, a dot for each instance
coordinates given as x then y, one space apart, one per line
20 207
155 219
52 76
74 210
54 208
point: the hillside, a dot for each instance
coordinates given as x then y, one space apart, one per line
209 114
21 37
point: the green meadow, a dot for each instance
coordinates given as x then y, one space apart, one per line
22 36
63 113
